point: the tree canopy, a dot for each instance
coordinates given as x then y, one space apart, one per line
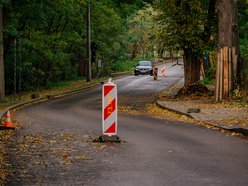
51 35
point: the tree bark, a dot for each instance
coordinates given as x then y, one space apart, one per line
191 68
228 36
135 47
227 16
227 43
82 66
171 55
161 52
2 84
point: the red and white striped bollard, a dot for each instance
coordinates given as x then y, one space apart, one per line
109 108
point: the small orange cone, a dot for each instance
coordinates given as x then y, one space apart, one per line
8 124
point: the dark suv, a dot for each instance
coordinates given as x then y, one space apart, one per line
143 67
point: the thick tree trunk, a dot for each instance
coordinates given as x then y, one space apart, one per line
227 16
2 84
191 68
227 74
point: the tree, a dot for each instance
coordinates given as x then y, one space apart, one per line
227 74
53 38
243 40
2 84
141 30
186 25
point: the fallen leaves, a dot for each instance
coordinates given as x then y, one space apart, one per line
128 109
154 110
42 150
5 136
49 149
231 122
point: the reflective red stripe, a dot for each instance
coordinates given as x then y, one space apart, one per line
111 129
107 89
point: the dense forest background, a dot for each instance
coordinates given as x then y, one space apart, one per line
45 41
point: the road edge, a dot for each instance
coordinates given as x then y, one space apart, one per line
53 96
243 131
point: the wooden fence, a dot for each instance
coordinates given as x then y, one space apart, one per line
226 72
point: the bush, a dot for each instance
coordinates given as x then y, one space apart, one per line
56 84
120 66
207 81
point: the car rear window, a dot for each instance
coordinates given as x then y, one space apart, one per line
145 63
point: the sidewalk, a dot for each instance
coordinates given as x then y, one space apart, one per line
222 115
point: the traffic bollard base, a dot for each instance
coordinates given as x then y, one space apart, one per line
106 139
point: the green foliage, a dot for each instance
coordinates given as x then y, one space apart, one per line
123 66
142 33
48 36
51 35
243 41
207 81
183 25
243 27
51 38
56 84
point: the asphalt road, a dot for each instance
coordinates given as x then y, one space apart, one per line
55 145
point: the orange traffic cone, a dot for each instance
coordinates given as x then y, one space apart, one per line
8 124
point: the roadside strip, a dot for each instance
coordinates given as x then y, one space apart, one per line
54 96
218 114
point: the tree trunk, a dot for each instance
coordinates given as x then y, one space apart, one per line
191 68
2 84
227 16
171 55
135 50
161 53
88 28
227 73
82 66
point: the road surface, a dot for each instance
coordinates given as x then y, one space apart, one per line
55 145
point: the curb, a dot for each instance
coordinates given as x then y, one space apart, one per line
238 130
46 98
3 112
52 96
173 110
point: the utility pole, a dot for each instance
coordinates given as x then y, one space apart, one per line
88 44
2 85
20 69
15 69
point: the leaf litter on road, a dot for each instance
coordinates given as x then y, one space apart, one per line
47 149
154 111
